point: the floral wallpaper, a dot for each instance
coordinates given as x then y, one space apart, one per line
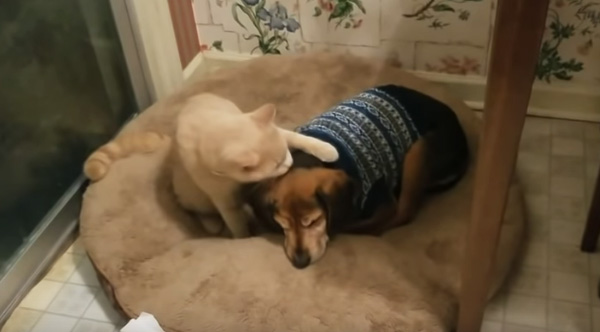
445 36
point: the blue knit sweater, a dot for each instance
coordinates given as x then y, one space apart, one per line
372 132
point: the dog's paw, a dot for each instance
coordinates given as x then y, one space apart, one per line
326 152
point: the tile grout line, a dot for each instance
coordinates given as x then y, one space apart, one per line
42 312
84 310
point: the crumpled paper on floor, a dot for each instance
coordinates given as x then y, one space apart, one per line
144 323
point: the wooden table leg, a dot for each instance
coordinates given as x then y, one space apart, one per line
592 227
516 42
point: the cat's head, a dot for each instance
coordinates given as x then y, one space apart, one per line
249 147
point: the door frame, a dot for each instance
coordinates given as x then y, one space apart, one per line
152 35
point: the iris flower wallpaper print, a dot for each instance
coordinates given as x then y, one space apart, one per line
446 36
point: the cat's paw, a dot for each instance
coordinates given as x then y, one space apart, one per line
212 225
240 234
326 152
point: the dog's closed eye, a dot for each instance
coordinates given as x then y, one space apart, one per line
312 219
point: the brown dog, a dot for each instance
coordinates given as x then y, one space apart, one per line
380 188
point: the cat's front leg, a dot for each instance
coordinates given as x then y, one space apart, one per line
235 217
322 150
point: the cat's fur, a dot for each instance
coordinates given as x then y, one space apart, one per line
219 148
98 163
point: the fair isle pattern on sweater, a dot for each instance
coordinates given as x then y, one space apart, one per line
373 130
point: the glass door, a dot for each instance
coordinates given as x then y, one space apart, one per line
64 90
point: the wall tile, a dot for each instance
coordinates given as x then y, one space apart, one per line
214 38
354 28
465 22
572 54
450 59
202 12
452 37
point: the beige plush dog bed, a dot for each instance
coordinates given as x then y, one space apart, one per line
153 257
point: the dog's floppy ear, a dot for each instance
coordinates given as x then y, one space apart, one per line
256 196
337 197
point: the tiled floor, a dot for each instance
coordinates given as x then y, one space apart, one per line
553 289
555 286
68 299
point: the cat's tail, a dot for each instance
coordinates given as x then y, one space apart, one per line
98 163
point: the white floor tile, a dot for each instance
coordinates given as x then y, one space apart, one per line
529 281
537 204
488 326
102 310
567 208
72 300
569 317
567 166
64 267
592 130
537 126
85 274
535 254
534 162
596 319
567 129
495 309
21 320
595 263
519 328
526 310
567 147
591 170
565 232
567 186
536 143
535 183
594 289
54 323
592 149
568 258
41 295
569 287
85 325
76 248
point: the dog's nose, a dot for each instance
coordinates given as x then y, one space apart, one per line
301 259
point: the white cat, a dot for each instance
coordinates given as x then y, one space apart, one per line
219 148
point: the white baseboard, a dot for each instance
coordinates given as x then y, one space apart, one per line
193 66
561 100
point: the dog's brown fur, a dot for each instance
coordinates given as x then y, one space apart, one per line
314 201
311 203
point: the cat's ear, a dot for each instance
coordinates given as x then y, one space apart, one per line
264 115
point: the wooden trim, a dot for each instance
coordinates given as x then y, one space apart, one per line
186 34
516 42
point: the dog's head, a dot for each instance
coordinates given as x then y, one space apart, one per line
307 204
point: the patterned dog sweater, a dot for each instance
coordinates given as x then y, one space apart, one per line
372 132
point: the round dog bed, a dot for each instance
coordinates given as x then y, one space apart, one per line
153 257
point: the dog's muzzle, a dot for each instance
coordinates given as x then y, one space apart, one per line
301 259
